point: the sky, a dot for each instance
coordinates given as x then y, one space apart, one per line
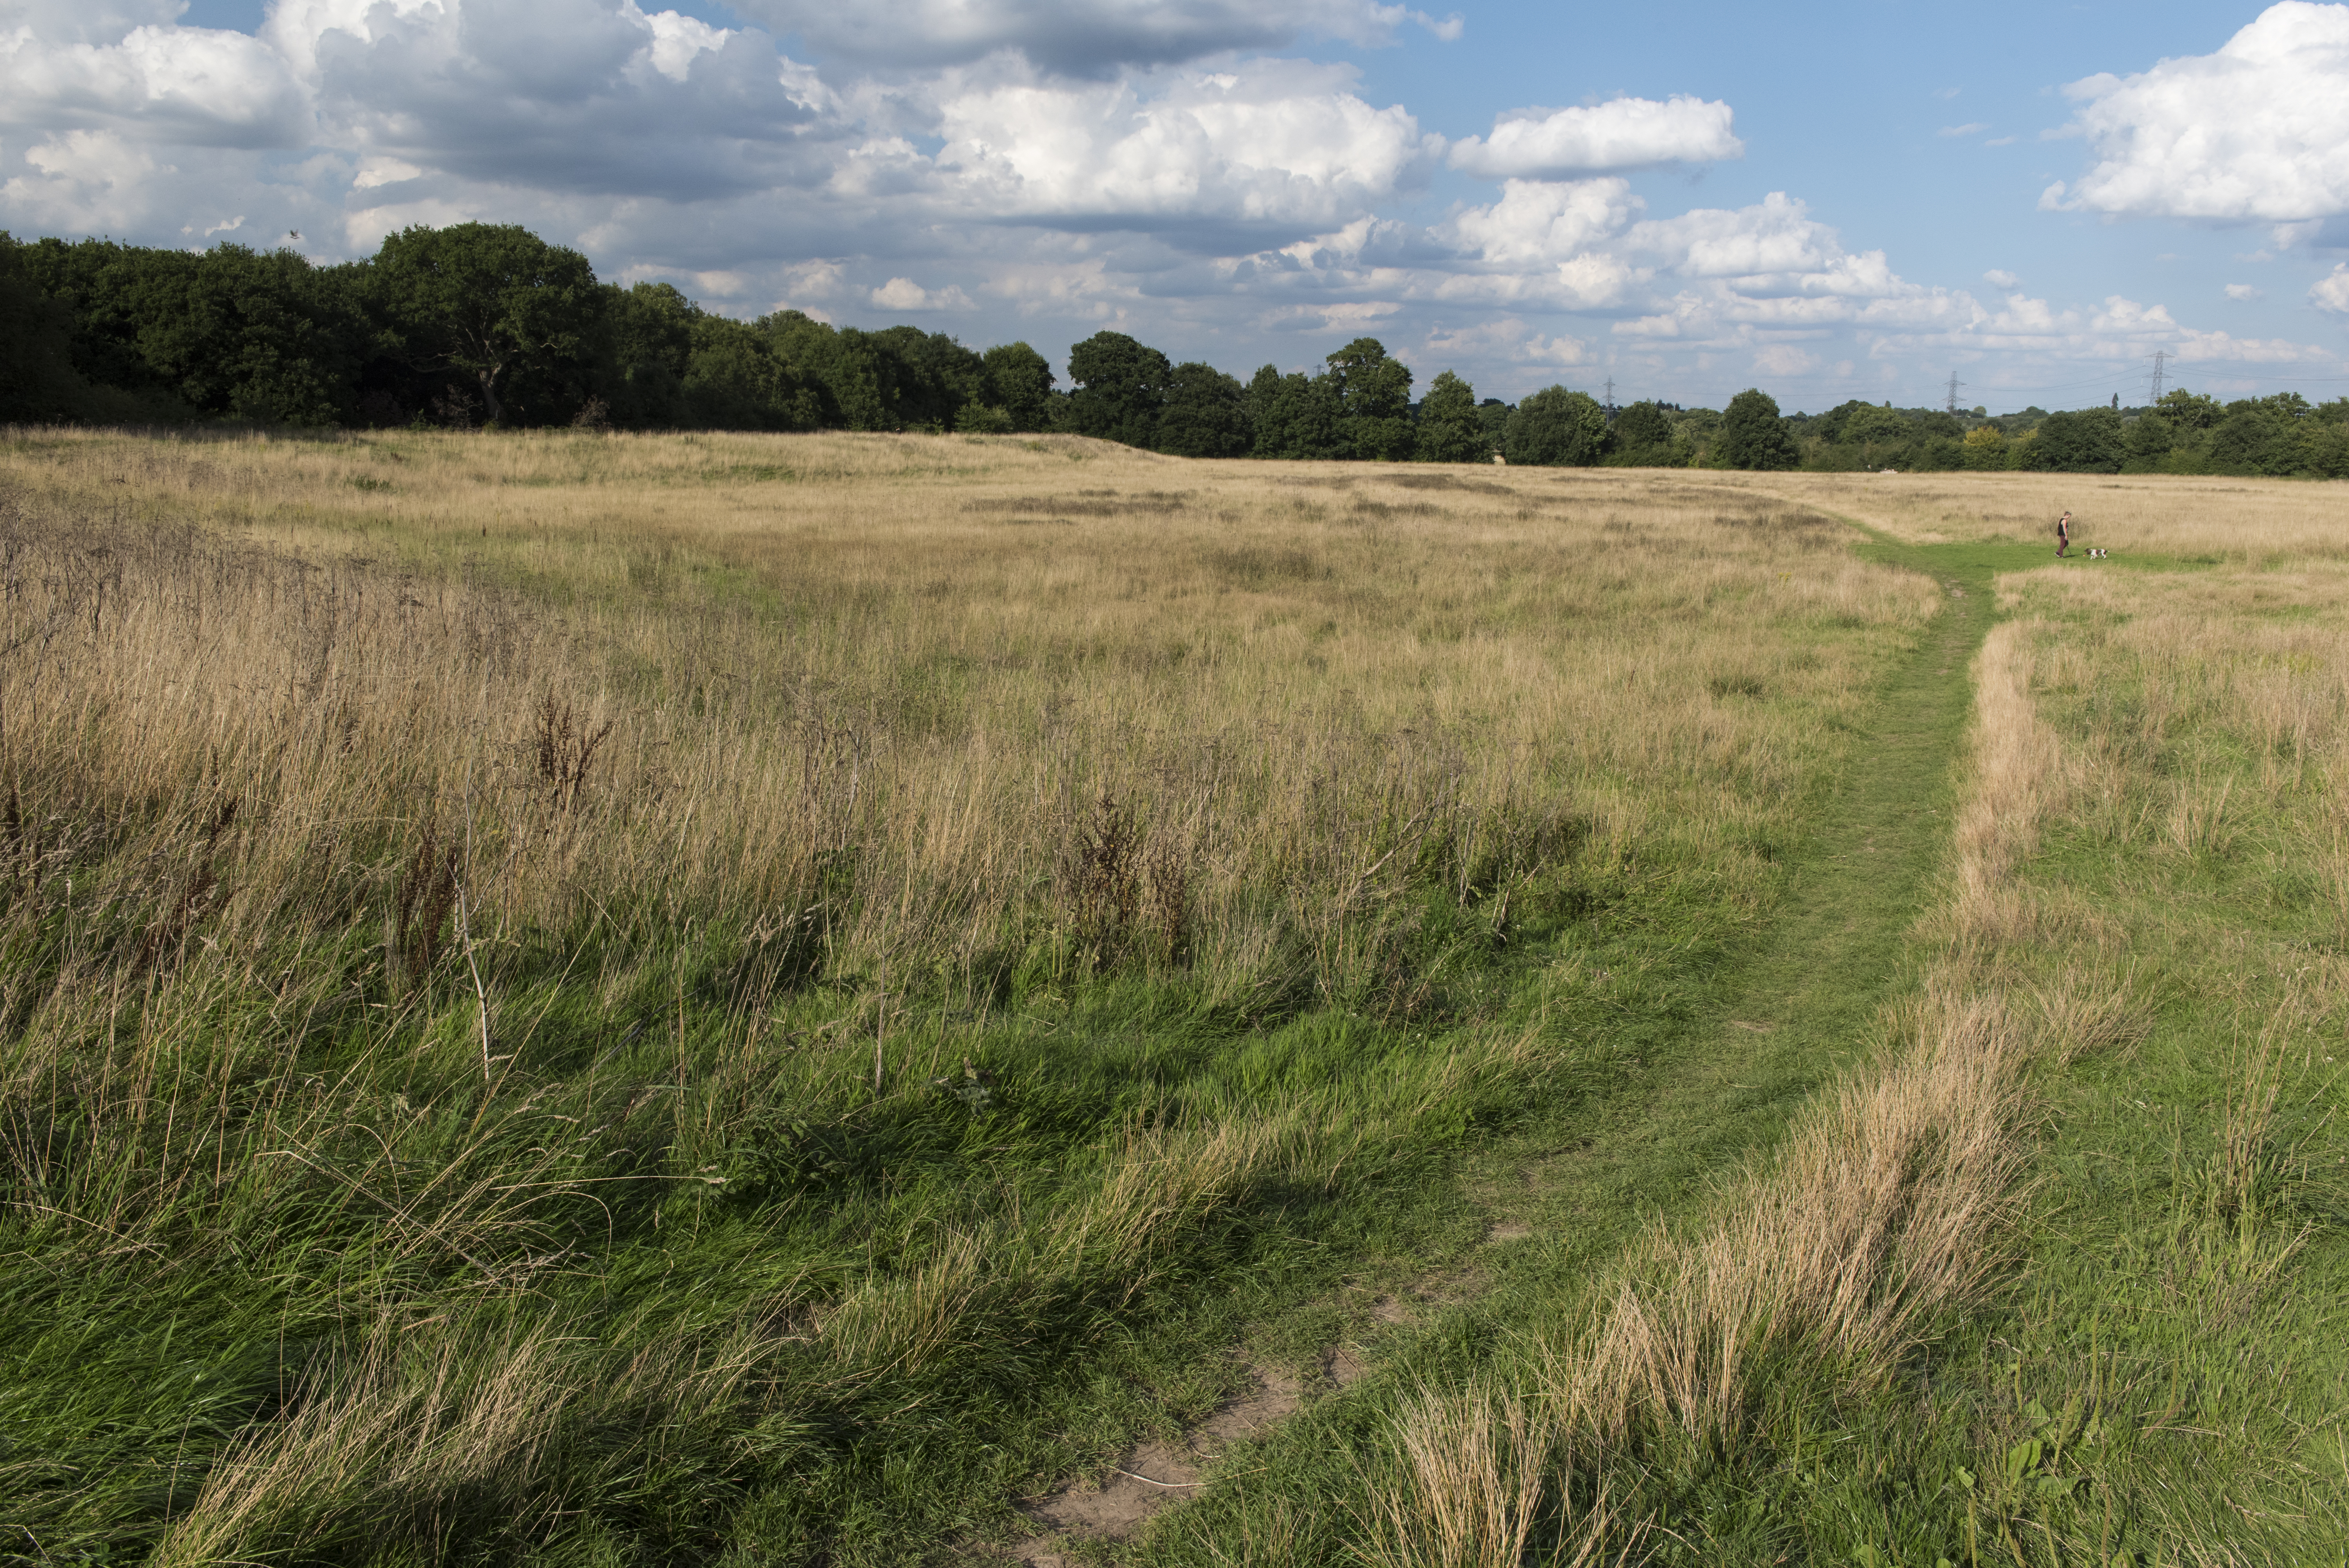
1838 201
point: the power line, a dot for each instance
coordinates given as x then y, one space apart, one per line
1954 385
2159 356
1611 394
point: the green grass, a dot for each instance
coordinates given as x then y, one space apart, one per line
2160 1373
672 1177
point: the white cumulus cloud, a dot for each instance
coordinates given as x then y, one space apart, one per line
2257 132
1622 134
905 294
196 86
2331 292
1282 144
1543 223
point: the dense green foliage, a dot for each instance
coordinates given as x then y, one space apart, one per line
488 324
481 323
1753 435
2279 436
1449 430
1556 427
473 323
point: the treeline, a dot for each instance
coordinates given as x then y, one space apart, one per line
2279 436
477 325
485 324
488 325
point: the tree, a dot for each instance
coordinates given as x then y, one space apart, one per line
1018 380
737 379
1372 393
650 329
2184 410
1293 416
1828 427
1642 437
2255 438
1494 416
1643 425
1121 387
1753 435
229 331
1985 448
936 376
2084 441
1557 428
1868 425
1206 415
499 305
38 383
1449 430
2146 441
2324 446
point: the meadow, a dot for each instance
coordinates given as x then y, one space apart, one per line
845 999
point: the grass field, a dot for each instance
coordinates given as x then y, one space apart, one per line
885 1000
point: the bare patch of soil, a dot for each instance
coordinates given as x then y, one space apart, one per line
1153 1476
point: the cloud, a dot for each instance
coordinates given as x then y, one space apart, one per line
1281 145
1071 38
2245 292
2331 292
1976 128
585 95
1783 359
1540 224
1621 135
2000 277
194 86
572 95
905 294
2257 132
1506 340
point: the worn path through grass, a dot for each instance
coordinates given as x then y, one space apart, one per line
1724 1074
1714 1076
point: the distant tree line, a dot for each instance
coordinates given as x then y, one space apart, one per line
483 324
476 325
2281 435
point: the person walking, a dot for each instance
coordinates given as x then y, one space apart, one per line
2063 534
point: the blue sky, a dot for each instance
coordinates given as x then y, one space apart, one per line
1845 201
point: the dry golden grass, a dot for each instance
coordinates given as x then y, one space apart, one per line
2258 522
303 771
2019 778
1876 1216
2200 719
1218 711
409 1416
1880 1212
1480 1471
